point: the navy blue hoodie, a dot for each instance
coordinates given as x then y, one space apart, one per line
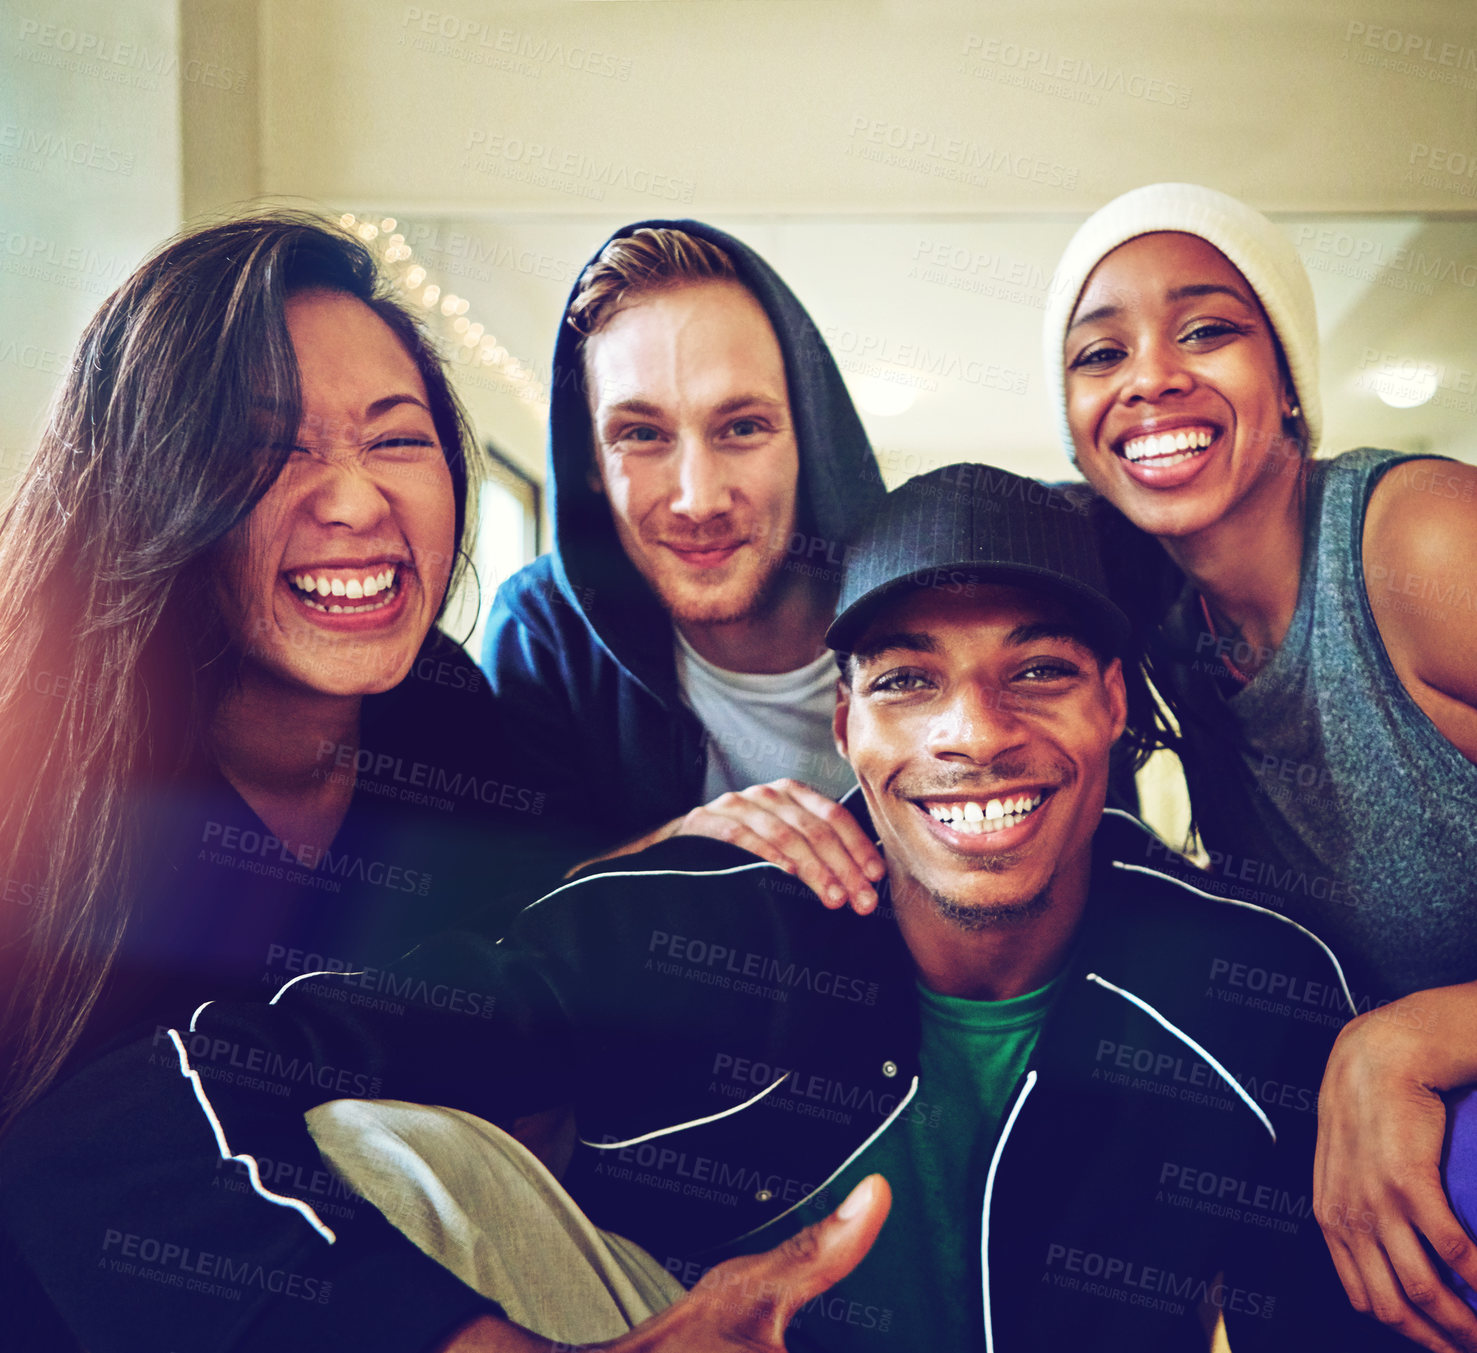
580 651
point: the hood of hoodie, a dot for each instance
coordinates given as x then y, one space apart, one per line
840 484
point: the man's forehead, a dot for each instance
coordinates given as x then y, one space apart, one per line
925 615
722 315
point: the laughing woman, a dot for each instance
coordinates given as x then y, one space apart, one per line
235 747
1312 628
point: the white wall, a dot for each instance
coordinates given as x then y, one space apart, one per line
89 180
789 107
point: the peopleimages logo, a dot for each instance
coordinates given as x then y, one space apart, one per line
744 972
384 772
570 171
72 151
1416 54
203 1271
480 43
1076 78
239 847
925 151
131 64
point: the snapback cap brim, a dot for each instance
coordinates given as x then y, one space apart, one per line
1101 619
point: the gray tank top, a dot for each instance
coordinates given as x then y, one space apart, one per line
1321 788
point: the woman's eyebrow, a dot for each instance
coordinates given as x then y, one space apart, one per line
1175 294
1092 316
1206 289
384 405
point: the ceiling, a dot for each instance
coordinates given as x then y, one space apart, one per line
912 169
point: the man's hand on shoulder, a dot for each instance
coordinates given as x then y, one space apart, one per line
791 825
788 824
743 1304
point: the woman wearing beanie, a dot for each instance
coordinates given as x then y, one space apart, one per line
1311 625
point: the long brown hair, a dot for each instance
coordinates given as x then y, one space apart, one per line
178 412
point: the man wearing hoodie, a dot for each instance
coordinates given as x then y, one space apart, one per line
667 661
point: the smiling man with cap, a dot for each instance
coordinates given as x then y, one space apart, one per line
1089 1086
982 692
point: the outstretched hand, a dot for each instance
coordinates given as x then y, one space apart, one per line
1377 1189
747 1303
744 1304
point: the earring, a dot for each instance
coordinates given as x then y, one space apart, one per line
1293 411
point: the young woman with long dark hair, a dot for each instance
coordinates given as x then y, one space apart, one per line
1311 625
234 747
234 742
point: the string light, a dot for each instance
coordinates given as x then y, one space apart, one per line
448 312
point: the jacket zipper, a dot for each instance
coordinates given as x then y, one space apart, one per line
989 1192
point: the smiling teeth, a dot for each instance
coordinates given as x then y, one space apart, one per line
995 815
1157 445
360 589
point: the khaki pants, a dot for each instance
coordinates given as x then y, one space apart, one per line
485 1207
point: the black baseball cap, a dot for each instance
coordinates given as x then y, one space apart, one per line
976 521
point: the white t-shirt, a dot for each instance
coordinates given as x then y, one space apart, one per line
762 726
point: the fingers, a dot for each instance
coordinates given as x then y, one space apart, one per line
1348 1271
1434 1219
791 825
1389 1305
842 1240
1386 1270
1377 1184
747 1303
861 864
1424 1300
779 1283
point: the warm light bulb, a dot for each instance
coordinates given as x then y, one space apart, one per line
1405 389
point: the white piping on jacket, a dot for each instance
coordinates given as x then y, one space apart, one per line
880 1129
1191 1043
252 1171
303 977
696 1122
1250 906
651 874
989 1191
307 1212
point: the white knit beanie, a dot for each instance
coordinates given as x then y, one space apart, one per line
1264 255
